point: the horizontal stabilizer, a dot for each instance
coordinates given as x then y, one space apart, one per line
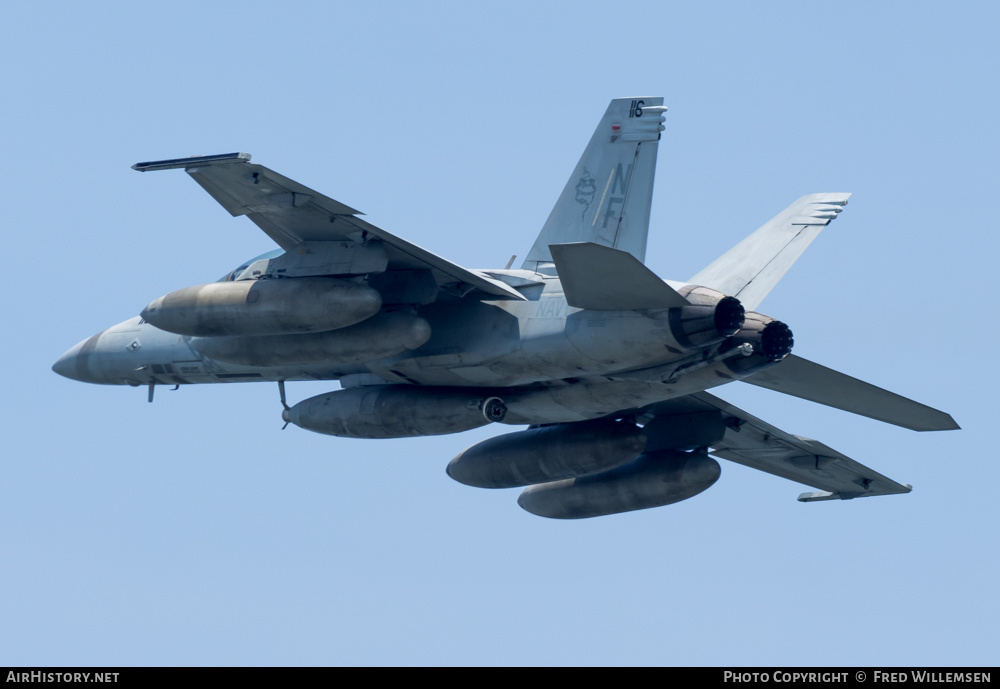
802 378
605 279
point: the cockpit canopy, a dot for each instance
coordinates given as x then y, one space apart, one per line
235 274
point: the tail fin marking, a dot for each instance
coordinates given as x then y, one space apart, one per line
607 198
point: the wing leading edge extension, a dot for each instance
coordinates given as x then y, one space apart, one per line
759 445
293 215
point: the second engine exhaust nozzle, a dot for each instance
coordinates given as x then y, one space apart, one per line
771 340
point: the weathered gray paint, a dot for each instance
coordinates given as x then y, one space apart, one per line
425 347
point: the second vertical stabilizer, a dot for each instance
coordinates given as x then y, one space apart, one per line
751 269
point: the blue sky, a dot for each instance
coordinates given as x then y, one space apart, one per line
194 531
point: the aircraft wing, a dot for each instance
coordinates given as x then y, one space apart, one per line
292 214
759 445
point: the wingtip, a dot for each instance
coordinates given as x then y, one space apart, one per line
190 161
823 495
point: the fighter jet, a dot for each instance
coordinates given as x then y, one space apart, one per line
607 364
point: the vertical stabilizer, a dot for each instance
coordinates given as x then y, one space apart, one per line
751 269
607 198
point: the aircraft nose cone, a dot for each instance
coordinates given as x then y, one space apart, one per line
67 365
75 364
